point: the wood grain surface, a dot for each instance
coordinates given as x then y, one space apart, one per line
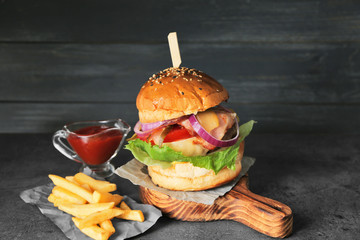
48 117
196 21
265 215
252 73
45 86
293 66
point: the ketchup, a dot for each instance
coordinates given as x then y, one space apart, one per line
95 144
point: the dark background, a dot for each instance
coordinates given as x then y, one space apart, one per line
294 66
291 65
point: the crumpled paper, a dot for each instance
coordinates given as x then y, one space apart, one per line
124 228
136 172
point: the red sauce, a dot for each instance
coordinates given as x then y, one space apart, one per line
95 144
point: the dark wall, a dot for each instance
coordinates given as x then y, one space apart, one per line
294 66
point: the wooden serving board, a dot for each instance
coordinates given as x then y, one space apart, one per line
265 215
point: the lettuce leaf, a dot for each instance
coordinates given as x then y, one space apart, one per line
164 156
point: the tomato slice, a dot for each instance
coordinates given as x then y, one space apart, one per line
177 133
147 140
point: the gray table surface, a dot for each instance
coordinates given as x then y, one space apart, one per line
316 175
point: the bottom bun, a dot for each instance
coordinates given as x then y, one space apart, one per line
183 176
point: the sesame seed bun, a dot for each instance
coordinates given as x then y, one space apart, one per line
175 92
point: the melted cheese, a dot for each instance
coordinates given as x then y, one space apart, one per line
187 147
208 120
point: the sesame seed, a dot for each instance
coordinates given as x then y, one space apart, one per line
200 88
182 93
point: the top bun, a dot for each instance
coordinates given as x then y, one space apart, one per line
175 92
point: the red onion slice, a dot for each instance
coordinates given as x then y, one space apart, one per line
210 139
150 126
139 132
145 129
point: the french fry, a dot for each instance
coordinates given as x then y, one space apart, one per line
124 206
72 179
72 187
93 231
86 186
94 184
91 204
57 200
51 198
99 217
99 197
134 215
67 195
107 226
84 210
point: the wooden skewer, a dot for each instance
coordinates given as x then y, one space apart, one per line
174 49
265 215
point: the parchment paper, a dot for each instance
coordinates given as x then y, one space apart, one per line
136 172
124 228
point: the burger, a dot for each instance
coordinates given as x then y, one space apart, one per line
188 141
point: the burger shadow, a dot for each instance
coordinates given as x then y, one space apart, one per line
269 177
300 220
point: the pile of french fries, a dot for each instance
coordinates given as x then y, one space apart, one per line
91 204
